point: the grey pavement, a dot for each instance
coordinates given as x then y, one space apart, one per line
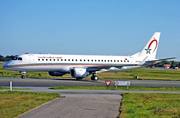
79 106
80 103
115 92
30 82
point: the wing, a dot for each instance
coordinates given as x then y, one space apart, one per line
106 68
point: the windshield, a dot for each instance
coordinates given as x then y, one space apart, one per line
17 58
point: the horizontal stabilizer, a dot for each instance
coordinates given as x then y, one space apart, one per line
161 59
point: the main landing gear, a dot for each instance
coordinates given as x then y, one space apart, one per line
23 74
94 77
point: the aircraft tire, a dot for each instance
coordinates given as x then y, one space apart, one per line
23 77
94 78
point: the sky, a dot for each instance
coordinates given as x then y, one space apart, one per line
88 27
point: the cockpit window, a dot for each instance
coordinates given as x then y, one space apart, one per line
15 58
19 58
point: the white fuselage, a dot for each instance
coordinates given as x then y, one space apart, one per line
63 63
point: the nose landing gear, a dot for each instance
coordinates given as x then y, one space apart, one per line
23 74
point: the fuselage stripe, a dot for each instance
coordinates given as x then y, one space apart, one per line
24 65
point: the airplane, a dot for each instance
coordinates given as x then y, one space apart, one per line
80 66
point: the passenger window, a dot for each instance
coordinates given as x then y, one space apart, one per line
72 59
61 59
42 59
57 59
114 60
46 59
50 59
92 60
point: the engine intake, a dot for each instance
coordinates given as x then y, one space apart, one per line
79 72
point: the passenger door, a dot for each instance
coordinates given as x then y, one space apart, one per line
31 59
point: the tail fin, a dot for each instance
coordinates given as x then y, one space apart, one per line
150 48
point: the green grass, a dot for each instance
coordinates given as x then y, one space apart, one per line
7 88
2 62
118 88
13 104
150 105
142 73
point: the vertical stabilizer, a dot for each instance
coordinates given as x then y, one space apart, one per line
150 48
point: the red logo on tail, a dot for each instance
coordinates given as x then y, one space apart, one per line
151 44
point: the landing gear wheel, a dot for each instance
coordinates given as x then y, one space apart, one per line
93 77
23 77
23 74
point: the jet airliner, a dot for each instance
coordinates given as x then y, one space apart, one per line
80 66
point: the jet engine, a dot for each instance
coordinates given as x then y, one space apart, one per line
79 73
55 73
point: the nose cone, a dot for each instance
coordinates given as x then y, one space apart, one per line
6 65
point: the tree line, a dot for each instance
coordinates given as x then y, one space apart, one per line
172 64
7 58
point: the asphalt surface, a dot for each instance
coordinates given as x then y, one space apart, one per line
78 106
80 103
29 82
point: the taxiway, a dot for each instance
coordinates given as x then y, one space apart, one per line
30 82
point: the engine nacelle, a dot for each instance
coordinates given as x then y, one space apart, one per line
79 72
55 73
